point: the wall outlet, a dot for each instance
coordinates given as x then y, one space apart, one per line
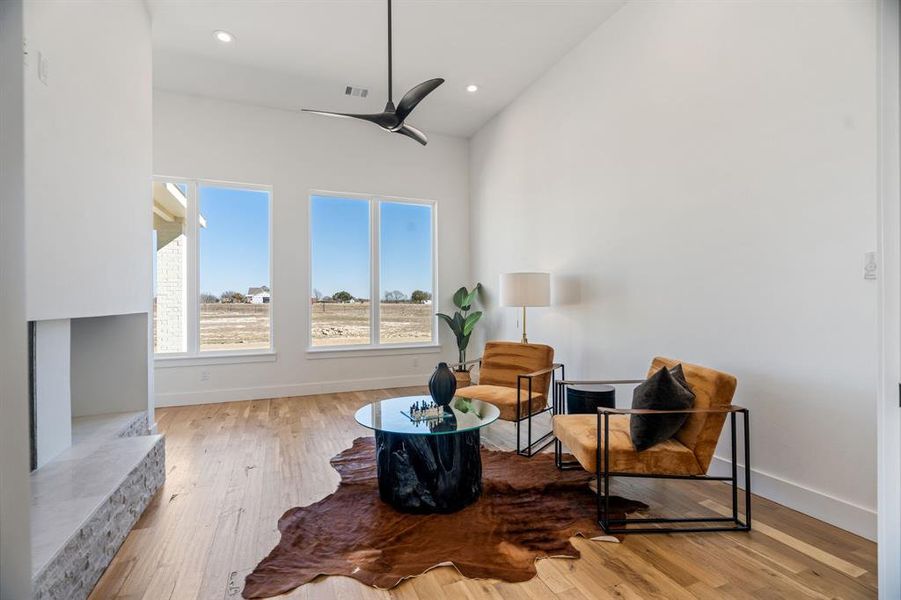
204 376
415 361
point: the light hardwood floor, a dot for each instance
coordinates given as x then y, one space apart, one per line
232 469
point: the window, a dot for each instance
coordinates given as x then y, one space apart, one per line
405 273
365 248
212 279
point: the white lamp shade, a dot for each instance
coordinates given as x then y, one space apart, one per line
525 289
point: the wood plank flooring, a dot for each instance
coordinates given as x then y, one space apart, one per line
234 468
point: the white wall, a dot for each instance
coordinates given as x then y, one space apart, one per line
888 411
52 388
15 494
700 177
294 153
88 218
109 365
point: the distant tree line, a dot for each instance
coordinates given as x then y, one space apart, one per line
226 297
416 297
339 297
393 296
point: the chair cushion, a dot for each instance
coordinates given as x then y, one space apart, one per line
505 399
664 390
503 362
579 434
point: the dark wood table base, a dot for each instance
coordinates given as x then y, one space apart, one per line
429 473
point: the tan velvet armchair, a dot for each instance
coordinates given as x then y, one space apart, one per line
602 444
516 378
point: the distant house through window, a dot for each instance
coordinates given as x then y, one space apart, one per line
212 268
258 295
366 248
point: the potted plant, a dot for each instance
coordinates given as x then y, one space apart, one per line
462 324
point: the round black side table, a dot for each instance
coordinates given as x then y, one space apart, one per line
586 399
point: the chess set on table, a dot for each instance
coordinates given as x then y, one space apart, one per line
425 411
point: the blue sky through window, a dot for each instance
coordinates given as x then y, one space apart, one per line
234 246
340 245
340 232
405 247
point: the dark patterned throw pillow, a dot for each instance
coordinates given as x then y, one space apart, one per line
664 390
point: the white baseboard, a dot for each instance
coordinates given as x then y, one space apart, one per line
841 513
284 391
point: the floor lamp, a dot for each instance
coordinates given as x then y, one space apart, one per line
525 289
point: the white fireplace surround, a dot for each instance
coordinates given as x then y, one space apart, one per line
97 462
85 368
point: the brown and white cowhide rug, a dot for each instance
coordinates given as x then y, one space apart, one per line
528 510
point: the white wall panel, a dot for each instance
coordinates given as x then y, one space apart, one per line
700 177
88 133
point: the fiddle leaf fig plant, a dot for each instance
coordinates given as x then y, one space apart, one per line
463 322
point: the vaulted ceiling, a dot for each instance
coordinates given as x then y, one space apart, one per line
302 53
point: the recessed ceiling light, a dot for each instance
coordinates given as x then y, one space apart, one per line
472 88
224 36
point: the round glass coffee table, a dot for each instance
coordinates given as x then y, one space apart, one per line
432 464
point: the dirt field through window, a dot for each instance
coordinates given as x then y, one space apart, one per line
234 326
346 324
246 326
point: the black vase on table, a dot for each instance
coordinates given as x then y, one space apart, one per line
442 385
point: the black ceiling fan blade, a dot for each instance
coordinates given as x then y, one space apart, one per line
412 133
392 119
415 96
372 118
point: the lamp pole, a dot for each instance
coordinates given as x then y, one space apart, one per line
525 340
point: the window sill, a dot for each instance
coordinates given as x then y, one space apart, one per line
229 358
364 351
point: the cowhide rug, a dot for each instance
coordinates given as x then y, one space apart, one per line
528 510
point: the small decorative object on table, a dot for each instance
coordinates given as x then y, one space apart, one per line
442 385
423 410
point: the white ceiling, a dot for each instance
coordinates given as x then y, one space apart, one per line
302 53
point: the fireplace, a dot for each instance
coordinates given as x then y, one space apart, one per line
95 461
84 368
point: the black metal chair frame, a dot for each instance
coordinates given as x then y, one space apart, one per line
534 446
603 474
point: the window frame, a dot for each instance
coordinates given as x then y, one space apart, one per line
193 355
375 347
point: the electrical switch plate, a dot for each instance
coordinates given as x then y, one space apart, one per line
869 265
43 68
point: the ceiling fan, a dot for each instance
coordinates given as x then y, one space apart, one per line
392 119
